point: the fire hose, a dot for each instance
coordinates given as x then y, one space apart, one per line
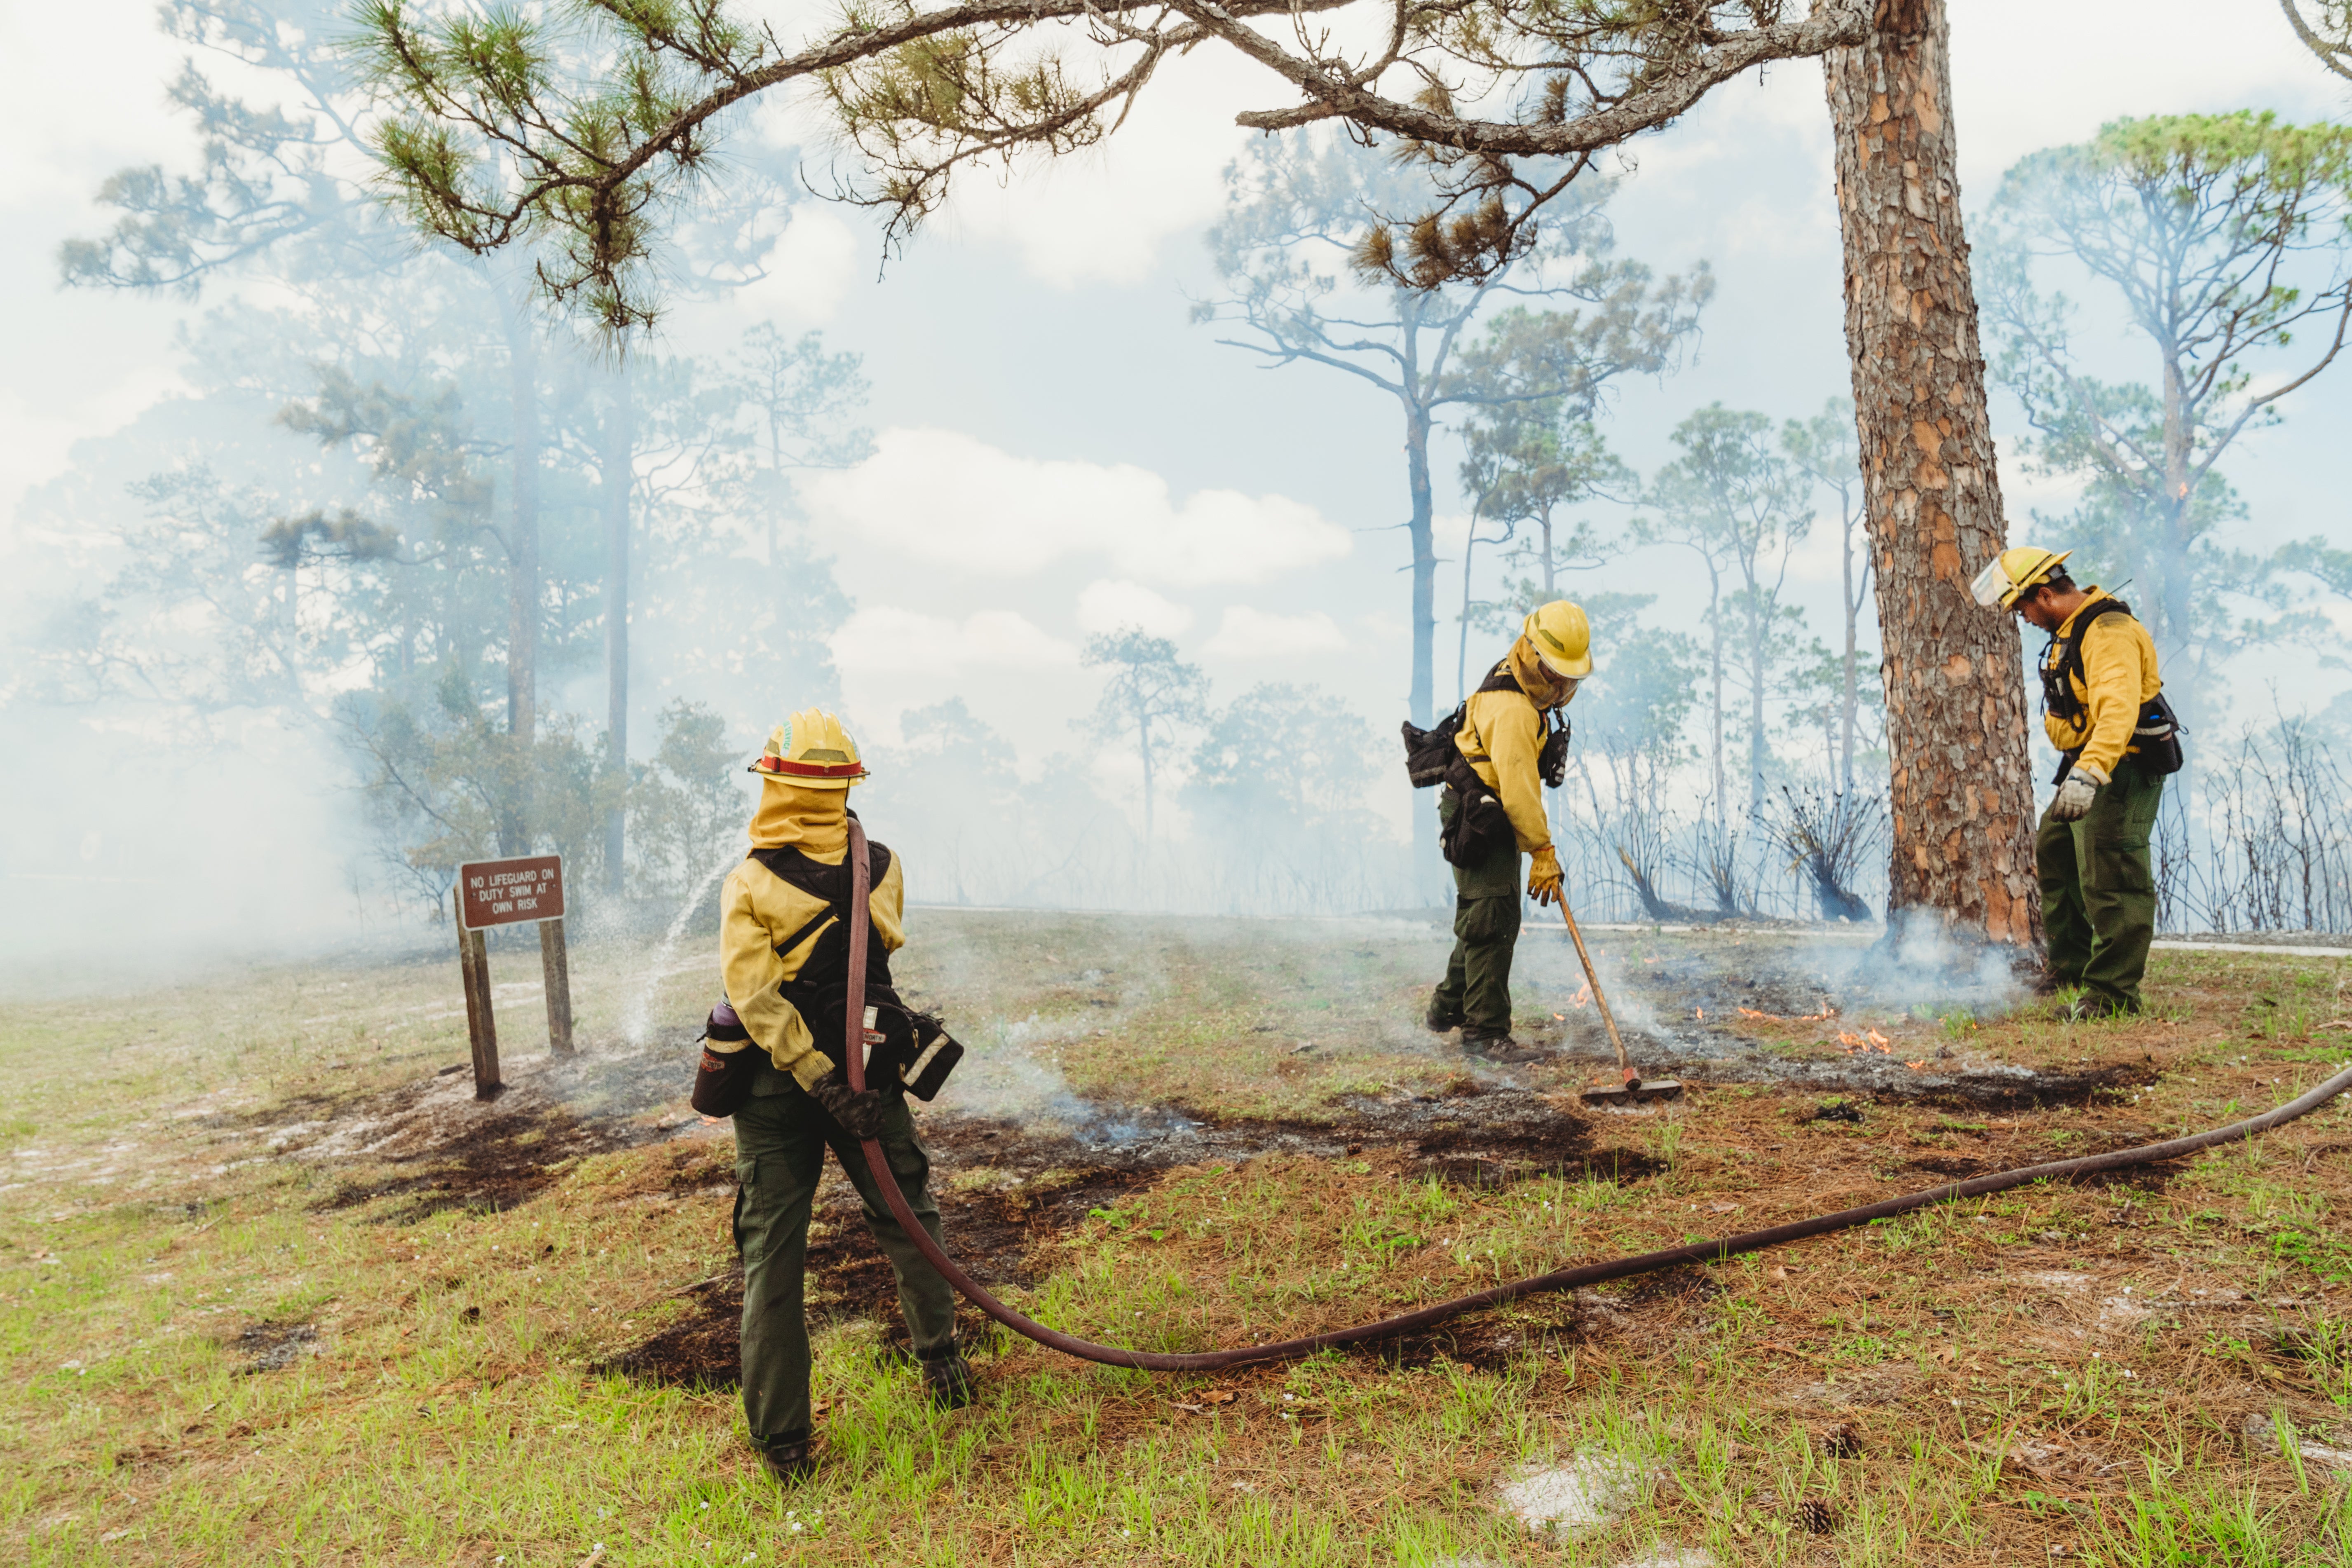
1715 1252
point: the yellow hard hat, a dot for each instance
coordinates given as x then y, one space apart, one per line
1561 638
812 751
2011 573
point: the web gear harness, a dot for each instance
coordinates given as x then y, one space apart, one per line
2155 731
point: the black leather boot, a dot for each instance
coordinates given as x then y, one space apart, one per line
1499 1049
790 1463
949 1383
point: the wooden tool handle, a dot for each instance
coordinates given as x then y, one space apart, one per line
1592 978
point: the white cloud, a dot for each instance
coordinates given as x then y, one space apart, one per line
1107 216
1247 634
950 501
2013 101
885 638
1006 640
817 260
67 128
1108 604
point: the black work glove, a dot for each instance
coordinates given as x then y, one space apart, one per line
860 1111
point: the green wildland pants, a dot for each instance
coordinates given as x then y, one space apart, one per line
1476 990
2098 889
781 1136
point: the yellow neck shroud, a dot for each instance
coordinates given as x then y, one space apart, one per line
813 821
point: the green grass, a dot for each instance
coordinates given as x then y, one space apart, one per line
451 1412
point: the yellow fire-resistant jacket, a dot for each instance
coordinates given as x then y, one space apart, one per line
1501 736
2118 676
759 910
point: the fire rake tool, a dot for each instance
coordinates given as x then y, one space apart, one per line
1635 1086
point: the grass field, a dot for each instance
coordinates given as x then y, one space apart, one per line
274 1289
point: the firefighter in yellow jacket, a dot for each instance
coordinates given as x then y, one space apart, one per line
2103 710
784 952
1502 737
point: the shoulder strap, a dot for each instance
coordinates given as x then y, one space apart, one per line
2057 689
1498 679
853 1014
2110 605
2091 613
816 877
800 936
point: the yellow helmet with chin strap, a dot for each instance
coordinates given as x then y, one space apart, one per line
1561 639
2011 573
811 750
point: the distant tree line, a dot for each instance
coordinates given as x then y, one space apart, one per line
402 509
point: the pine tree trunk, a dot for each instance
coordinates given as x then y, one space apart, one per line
1462 642
1758 667
1143 739
522 575
1715 702
2172 621
620 454
1426 863
1962 800
1852 696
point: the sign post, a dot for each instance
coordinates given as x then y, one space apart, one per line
509 892
481 1024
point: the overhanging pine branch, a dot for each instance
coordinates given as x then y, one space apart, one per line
1844 22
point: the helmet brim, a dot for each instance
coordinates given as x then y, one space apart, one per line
824 778
1567 669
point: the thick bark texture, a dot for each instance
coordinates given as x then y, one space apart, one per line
1962 800
620 471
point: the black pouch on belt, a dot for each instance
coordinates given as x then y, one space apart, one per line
1480 826
722 1081
2156 737
905 1049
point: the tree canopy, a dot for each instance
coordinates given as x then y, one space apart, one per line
585 130
2224 238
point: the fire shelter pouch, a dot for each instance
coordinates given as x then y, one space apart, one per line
722 1079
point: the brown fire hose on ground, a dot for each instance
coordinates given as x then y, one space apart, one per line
1559 1280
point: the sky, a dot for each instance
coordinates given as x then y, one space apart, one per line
1061 452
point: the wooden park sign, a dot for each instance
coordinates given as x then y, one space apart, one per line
509 892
